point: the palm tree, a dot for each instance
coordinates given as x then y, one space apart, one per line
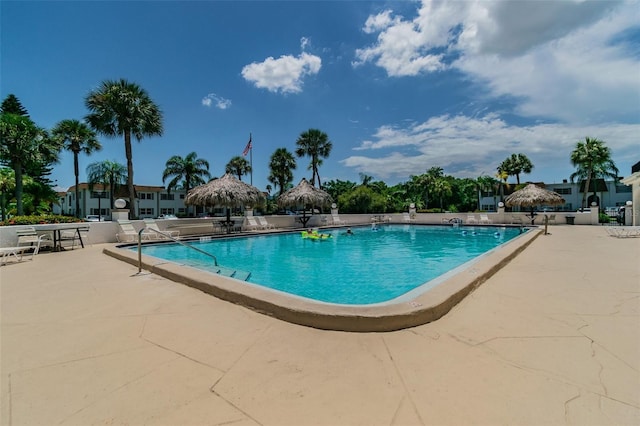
502 176
108 174
76 137
593 160
121 108
190 171
315 144
516 164
281 166
238 166
441 188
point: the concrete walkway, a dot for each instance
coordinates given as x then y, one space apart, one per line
553 338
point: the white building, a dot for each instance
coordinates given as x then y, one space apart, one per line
609 194
151 201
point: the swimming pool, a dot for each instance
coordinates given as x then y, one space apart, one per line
369 267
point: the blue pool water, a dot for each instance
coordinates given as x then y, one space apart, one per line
365 268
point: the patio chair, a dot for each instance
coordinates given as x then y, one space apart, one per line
76 236
516 220
406 217
485 219
29 236
128 232
18 252
471 219
335 219
262 221
151 224
251 225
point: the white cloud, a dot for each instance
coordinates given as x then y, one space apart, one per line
565 60
304 42
284 75
470 146
217 101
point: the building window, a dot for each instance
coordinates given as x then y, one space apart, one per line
167 211
146 211
165 197
98 194
622 189
146 195
182 196
101 212
563 191
486 193
181 210
488 207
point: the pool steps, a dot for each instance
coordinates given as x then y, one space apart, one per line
221 270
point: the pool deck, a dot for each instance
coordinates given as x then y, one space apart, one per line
552 338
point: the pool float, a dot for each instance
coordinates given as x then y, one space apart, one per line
315 235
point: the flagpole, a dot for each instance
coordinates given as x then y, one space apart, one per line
251 157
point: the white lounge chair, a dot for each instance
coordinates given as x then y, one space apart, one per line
251 224
471 219
485 219
128 232
151 224
19 251
335 219
406 217
262 221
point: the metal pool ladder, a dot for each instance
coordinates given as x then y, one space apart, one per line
221 270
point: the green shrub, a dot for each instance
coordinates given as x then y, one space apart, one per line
39 220
603 218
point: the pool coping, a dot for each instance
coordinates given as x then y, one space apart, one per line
424 308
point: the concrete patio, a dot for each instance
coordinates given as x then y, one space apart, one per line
552 338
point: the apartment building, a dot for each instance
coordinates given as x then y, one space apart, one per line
609 194
151 201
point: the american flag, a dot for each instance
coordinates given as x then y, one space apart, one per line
247 148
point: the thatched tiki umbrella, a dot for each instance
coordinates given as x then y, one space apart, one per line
226 191
532 196
304 194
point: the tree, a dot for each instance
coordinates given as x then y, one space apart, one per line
337 187
38 197
238 166
281 166
190 171
24 144
76 137
121 108
515 165
315 144
502 177
7 186
109 174
592 158
440 188
362 200
12 105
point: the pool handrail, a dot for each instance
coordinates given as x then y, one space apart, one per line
215 259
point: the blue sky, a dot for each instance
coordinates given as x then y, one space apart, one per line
399 87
